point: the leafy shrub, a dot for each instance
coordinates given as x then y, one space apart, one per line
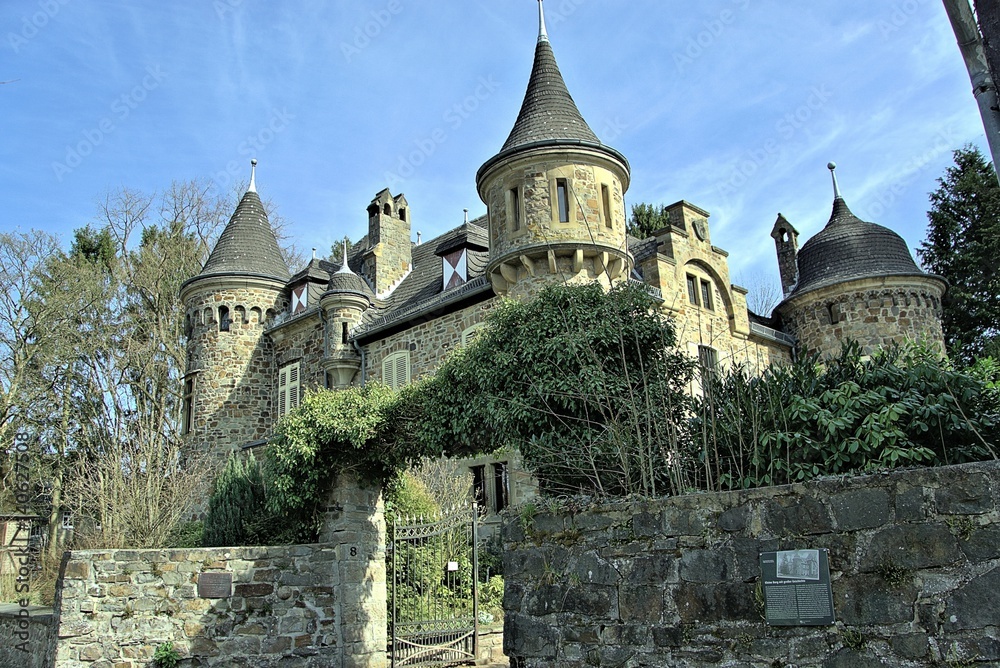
186 535
166 655
238 501
587 384
902 406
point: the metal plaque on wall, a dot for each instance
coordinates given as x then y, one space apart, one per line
215 585
797 588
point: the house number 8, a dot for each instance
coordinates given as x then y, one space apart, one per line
354 551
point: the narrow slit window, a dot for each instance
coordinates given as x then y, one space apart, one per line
188 406
343 333
706 295
606 200
515 209
562 194
501 487
224 320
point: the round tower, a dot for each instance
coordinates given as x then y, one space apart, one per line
346 299
857 281
554 193
229 384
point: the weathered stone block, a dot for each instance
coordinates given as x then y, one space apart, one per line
913 646
528 639
715 602
912 547
802 515
258 589
969 495
734 519
860 509
975 605
849 658
868 600
643 603
983 544
706 565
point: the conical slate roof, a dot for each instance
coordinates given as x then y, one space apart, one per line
247 246
548 112
848 248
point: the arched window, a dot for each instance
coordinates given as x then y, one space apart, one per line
402 214
469 335
387 209
224 320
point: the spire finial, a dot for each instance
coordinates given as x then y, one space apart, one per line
344 269
543 35
253 176
836 186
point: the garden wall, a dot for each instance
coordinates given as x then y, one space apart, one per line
914 562
299 606
26 636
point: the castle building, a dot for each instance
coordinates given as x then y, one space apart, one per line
259 336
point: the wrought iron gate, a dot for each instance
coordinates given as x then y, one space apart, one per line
433 582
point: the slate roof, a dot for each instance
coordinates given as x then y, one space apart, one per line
847 249
247 246
548 111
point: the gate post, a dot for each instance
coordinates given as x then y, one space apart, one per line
354 520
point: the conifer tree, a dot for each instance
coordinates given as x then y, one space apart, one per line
963 247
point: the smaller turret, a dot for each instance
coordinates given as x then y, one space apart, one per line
346 299
786 242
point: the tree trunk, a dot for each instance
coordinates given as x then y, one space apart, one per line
988 15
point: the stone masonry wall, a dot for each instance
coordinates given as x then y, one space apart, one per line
300 606
914 562
873 312
26 638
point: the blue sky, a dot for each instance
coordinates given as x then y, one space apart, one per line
733 105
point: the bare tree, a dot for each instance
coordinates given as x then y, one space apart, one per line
764 292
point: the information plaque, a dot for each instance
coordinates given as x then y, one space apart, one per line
797 588
215 585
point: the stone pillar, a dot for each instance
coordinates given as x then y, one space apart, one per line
355 521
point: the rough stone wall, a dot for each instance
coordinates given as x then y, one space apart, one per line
26 640
301 606
429 342
540 225
873 312
914 561
301 340
235 383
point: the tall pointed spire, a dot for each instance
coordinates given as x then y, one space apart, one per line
543 35
548 113
344 269
247 245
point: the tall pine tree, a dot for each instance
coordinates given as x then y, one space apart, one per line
963 246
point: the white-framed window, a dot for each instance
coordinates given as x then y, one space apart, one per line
396 370
67 520
289 389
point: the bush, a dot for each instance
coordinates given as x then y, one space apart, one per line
186 535
237 505
903 406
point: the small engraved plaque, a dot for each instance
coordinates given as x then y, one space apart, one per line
215 585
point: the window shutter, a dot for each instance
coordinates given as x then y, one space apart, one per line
293 387
282 387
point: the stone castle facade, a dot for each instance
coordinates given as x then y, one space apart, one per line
260 336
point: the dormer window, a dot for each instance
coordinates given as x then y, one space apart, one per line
455 268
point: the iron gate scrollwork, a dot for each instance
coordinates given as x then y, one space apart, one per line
433 582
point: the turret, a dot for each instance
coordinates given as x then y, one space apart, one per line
555 194
858 281
229 382
346 299
786 243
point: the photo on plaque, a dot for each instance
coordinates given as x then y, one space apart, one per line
798 565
